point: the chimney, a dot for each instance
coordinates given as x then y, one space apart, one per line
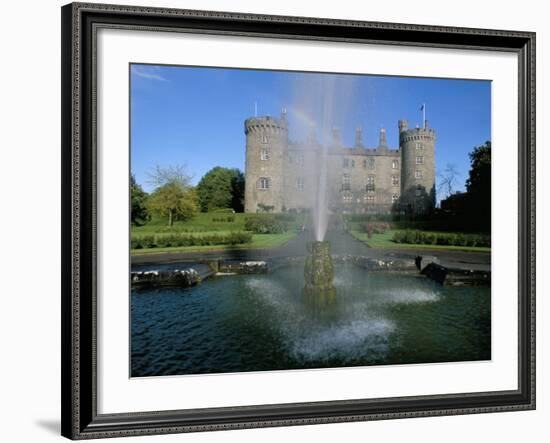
283 115
383 141
336 140
358 137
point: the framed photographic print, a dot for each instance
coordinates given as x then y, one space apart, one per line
274 221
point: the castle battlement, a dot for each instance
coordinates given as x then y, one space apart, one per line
266 123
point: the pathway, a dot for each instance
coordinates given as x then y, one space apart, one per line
342 243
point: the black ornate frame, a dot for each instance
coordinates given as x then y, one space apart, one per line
80 22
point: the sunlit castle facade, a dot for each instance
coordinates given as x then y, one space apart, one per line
283 175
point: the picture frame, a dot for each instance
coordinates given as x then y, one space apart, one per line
80 175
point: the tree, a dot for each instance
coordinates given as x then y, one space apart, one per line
478 186
174 201
173 197
448 180
221 188
163 175
138 199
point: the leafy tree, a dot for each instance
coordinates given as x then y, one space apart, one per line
221 188
174 201
173 197
138 198
478 186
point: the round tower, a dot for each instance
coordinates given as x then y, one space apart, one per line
417 148
266 146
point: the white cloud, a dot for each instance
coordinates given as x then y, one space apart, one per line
148 72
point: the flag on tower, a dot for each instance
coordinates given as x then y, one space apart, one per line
423 110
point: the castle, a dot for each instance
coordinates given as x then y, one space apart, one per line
282 175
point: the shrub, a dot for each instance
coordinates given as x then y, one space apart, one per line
441 238
375 228
228 219
266 224
179 240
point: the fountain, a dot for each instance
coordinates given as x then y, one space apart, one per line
319 271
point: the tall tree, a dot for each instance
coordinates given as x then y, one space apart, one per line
221 188
448 180
138 199
478 186
173 197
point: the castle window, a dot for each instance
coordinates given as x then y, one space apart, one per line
418 191
353 163
346 182
418 174
264 139
347 199
394 198
395 164
300 183
364 164
370 183
345 163
263 183
395 180
300 158
419 146
419 159
370 198
264 154
371 163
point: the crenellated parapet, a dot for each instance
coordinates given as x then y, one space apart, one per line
417 134
265 124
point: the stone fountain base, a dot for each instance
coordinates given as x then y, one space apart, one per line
319 271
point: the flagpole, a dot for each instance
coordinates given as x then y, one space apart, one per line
424 115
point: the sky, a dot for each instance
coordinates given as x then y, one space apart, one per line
194 116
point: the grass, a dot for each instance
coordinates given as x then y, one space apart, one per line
201 223
259 241
204 224
385 241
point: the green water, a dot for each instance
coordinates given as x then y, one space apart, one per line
264 322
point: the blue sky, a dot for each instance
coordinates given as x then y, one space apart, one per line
195 116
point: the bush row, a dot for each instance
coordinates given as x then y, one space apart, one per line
173 240
228 219
446 239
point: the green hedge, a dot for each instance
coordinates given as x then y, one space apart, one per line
444 239
179 240
228 219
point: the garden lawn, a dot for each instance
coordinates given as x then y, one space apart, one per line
202 222
385 241
258 241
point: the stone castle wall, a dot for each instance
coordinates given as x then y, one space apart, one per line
360 179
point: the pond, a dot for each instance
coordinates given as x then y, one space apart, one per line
244 323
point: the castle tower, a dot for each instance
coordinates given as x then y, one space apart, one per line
417 148
266 146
